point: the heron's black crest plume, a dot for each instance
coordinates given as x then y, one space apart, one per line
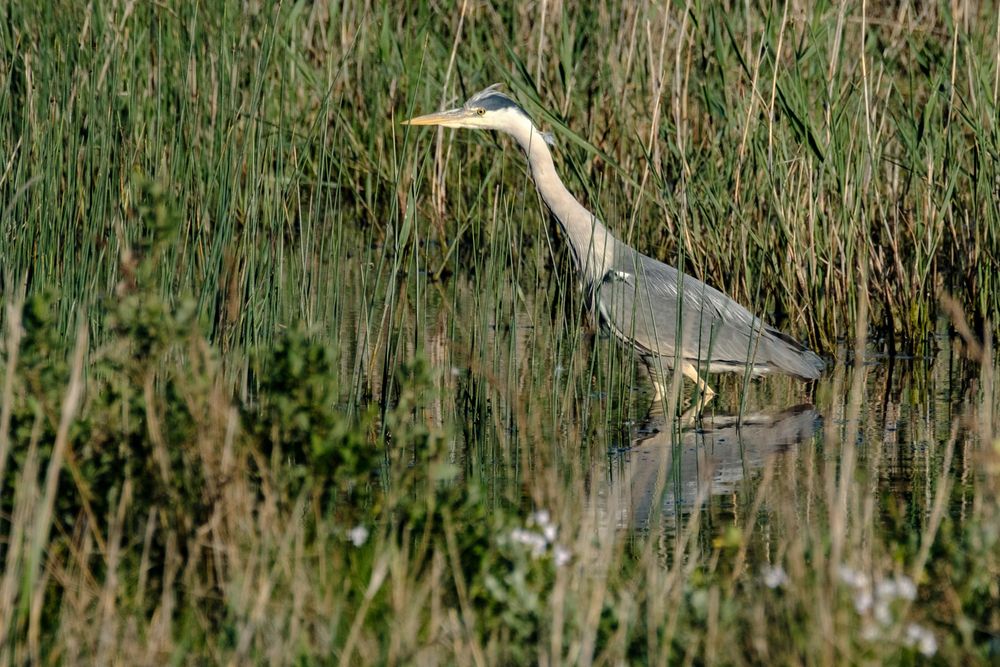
493 99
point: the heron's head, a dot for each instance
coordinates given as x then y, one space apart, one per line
488 109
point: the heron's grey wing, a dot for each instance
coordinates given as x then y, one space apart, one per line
713 327
620 311
651 306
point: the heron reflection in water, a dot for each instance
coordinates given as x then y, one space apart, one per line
665 473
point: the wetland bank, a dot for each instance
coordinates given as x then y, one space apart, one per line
284 382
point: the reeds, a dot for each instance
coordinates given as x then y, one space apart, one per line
286 382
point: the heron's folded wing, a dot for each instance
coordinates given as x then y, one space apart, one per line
650 305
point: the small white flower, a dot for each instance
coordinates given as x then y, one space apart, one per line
863 602
774 577
870 632
541 517
561 555
905 588
882 613
922 638
885 589
550 532
522 536
358 535
530 539
927 644
852 577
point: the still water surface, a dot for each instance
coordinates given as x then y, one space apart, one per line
532 396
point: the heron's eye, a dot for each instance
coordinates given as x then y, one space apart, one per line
481 111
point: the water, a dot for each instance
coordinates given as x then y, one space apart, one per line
540 407
909 411
667 471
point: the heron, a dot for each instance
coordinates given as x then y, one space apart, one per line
671 320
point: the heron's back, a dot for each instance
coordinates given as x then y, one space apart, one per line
662 313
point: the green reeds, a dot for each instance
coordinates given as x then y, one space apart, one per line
330 370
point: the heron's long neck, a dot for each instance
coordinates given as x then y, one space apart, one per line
593 245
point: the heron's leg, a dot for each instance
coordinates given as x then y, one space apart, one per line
706 394
687 370
659 391
652 369
689 416
691 373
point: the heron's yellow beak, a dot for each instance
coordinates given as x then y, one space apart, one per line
450 118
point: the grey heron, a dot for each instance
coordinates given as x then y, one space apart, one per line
672 321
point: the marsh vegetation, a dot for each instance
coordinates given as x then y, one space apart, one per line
282 381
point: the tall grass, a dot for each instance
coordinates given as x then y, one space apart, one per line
284 381
772 152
